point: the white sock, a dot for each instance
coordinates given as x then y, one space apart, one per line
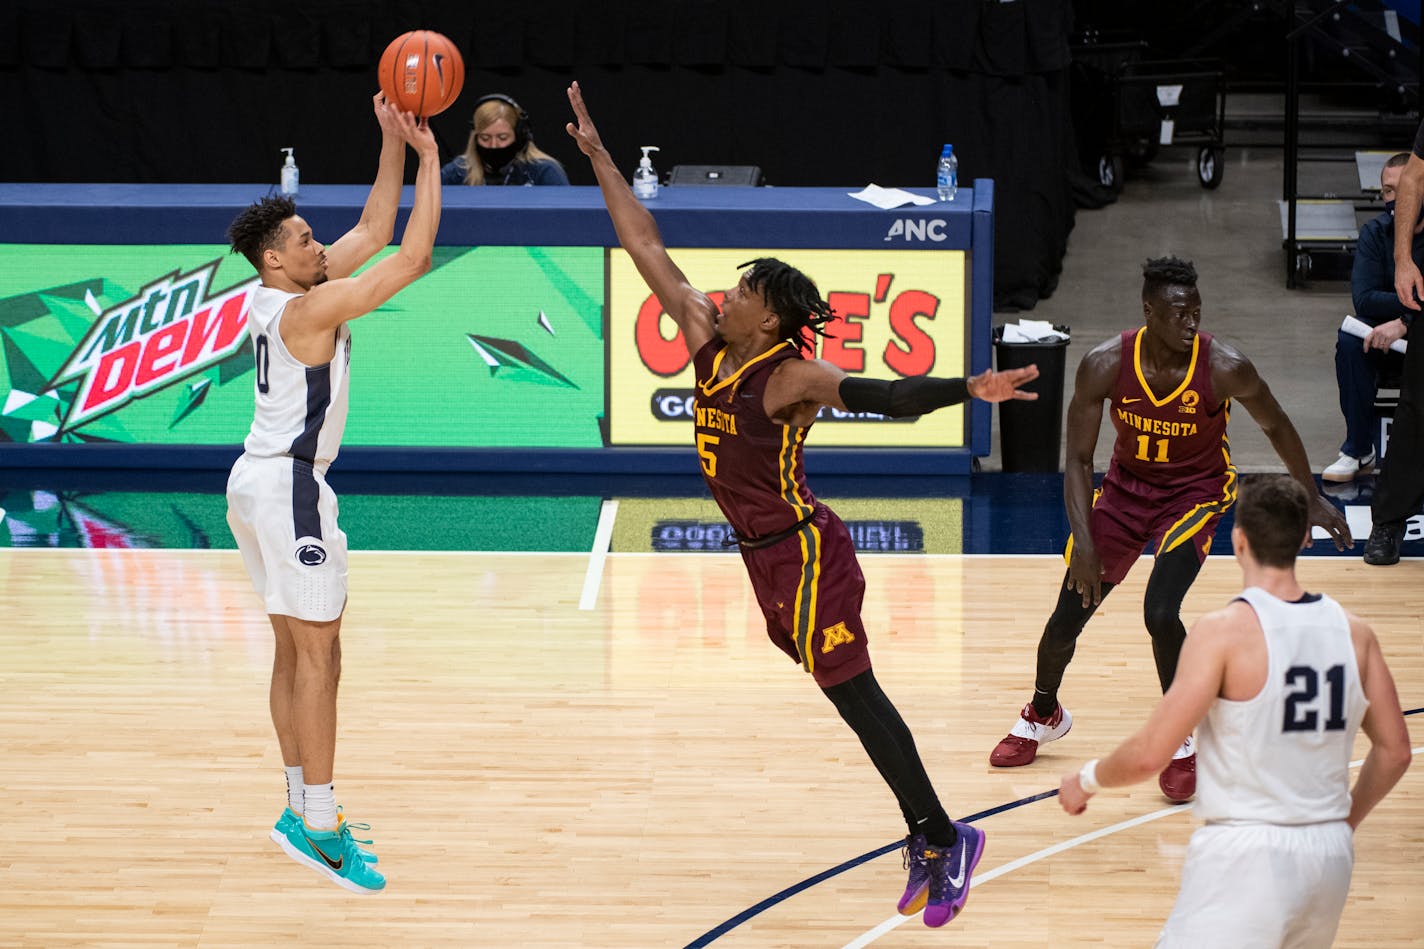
294 788
320 813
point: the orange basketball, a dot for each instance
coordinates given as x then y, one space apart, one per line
422 72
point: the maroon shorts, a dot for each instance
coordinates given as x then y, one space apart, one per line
1129 514
810 589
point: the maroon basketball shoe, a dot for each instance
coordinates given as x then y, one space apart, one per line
1179 780
1021 745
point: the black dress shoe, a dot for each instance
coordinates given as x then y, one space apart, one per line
1382 549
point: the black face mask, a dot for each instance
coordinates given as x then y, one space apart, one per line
1389 207
495 159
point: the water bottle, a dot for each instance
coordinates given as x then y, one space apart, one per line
947 174
645 179
291 178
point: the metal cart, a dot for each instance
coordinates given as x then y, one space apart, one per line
1099 58
1168 102
1319 230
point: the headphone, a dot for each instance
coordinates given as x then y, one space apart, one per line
523 134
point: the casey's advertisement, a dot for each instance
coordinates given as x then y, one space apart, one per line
898 313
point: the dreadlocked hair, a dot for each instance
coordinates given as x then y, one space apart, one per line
259 227
793 297
1162 272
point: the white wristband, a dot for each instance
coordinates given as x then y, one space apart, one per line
1088 777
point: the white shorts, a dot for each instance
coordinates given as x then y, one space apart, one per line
1262 885
283 516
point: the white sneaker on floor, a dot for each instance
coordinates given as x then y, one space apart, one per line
1347 466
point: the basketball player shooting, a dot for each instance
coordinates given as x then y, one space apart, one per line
756 397
280 508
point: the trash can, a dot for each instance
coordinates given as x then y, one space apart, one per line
1031 433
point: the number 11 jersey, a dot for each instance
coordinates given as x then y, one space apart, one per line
1176 438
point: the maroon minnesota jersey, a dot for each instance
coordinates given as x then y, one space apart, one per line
752 465
1176 438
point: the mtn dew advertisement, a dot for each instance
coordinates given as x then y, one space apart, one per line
494 347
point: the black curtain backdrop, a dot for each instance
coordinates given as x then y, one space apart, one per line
816 92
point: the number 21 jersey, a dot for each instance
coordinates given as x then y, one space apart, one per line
1283 756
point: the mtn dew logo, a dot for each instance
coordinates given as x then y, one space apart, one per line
168 331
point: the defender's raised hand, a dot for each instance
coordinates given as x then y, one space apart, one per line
584 132
994 386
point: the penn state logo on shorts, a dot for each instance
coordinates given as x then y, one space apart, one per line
311 554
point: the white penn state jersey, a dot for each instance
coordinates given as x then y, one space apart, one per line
300 409
1283 757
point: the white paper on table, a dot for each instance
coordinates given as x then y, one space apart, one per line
1030 331
1360 328
887 198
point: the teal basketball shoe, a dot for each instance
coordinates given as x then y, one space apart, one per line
291 820
335 854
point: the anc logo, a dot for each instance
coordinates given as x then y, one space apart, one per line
169 330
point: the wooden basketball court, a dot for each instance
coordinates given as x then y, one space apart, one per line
641 773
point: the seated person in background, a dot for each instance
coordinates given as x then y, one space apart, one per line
1360 364
501 150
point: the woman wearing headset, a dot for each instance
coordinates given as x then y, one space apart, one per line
501 150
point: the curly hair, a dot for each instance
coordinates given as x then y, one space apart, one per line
259 227
793 297
1162 272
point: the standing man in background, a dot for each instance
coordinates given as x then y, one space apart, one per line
1400 487
280 508
1278 682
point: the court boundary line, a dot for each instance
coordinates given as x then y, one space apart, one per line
598 556
361 552
897 920
617 554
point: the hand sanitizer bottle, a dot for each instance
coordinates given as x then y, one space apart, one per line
291 178
645 179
